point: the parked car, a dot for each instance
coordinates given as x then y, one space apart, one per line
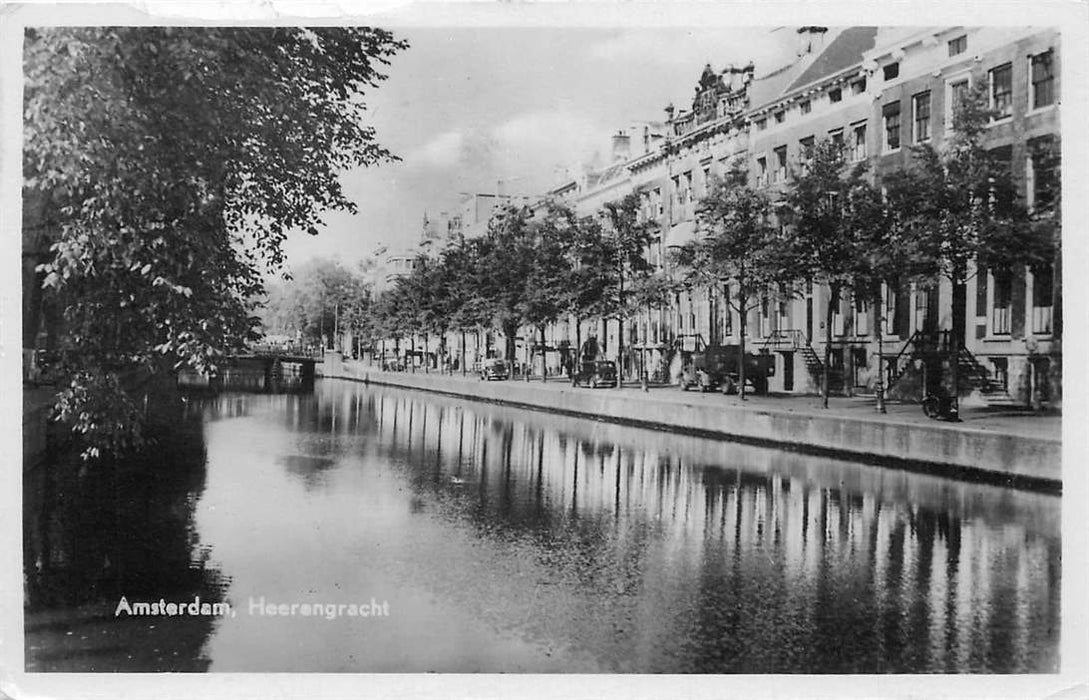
595 373
494 369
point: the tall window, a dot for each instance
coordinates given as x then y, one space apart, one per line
656 198
920 108
891 116
1042 283
1042 80
780 164
806 107
835 95
1002 91
707 180
779 117
727 317
761 171
805 152
1043 173
836 137
959 45
1000 308
858 146
955 93
921 306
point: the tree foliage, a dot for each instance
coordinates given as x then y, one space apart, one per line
173 161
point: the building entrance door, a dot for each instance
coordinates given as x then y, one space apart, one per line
788 371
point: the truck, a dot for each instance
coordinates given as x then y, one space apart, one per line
716 367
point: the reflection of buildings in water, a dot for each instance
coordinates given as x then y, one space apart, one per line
942 579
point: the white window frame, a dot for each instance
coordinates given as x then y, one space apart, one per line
854 141
885 147
950 83
1032 88
930 116
990 91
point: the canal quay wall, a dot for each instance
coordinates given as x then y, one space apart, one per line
942 448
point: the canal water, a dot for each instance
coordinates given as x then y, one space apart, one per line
485 538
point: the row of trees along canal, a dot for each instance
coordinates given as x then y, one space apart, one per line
163 168
833 226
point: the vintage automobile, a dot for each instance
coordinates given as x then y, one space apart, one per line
494 368
595 373
715 368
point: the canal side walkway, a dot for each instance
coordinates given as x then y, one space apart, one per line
1008 446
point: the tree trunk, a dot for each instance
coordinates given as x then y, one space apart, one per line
878 333
620 352
742 324
427 354
510 330
544 354
463 352
956 335
833 299
577 361
412 345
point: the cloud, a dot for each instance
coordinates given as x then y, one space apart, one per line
547 140
766 47
443 151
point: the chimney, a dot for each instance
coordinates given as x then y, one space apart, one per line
621 146
669 111
810 40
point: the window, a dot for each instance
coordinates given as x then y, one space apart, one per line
959 45
836 137
920 108
707 180
858 87
686 187
779 116
922 306
835 95
1043 173
1000 310
780 163
858 145
981 291
805 152
1042 283
1042 80
1002 91
761 171
761 124
806 107
891 115
891 71
728 321
675 197
657 198
956 92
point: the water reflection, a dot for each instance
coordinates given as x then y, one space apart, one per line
95 534
508 540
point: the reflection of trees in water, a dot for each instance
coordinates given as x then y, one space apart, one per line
818 567
95 533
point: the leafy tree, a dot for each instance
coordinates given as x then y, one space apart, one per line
733 221
320 296
172 162
824 240
625 244
960 204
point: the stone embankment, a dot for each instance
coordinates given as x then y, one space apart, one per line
1024 451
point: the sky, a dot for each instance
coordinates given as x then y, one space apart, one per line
467 106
